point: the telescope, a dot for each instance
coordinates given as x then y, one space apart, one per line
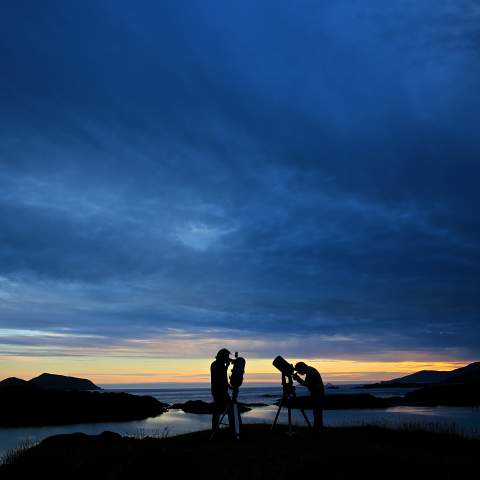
236 380
287 370
238 370
281 364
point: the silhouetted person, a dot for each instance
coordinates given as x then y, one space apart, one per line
313 381
220 386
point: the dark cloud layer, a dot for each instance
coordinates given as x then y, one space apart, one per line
304 170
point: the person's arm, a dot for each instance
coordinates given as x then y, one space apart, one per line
299 379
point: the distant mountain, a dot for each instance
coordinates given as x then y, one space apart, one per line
330 386
423 376
61 382
470 373
467 374
13 382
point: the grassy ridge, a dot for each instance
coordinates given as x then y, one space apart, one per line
359 452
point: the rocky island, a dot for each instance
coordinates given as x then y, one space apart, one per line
42 401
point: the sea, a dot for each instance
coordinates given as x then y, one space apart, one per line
462 420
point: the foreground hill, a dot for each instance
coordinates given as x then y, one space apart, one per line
31 405
61 382
340 453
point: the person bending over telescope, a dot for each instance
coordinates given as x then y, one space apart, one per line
313 381
220 386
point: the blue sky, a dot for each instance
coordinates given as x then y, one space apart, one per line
300 176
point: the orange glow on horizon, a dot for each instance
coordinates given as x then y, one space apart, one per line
106 371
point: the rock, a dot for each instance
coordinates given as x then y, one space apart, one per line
339 402
467 394
30 405
329 386
201 407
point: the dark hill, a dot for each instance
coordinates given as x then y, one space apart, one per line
61 382
30 405
423 376
469 373
340 453
446 393
13 382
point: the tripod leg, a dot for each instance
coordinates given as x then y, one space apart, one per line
306 418
278 413
236 419
220 420
289 419
303 412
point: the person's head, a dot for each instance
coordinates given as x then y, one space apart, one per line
301 368
223 355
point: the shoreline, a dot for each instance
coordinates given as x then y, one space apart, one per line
452 419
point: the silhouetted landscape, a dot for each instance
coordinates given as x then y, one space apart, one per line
361 452
239 239
63 399
28 403
469 373
52 382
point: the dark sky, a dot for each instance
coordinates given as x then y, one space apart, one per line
300 176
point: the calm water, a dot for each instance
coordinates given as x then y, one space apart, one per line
176 422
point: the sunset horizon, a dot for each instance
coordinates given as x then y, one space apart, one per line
196 371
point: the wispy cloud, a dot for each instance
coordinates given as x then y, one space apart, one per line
306 187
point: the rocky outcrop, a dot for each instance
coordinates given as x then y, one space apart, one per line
31 405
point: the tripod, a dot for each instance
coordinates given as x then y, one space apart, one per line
288 394
232 404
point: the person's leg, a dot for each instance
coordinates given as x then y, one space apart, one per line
217 411
318 418
317 414
220 405
231 419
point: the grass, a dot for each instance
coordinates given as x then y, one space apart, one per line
345 452
15 454
142 433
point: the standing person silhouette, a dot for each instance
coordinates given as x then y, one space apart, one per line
220 386
313 381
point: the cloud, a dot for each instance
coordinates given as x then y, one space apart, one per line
283 175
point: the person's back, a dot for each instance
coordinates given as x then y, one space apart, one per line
219 386
218 377
313 381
